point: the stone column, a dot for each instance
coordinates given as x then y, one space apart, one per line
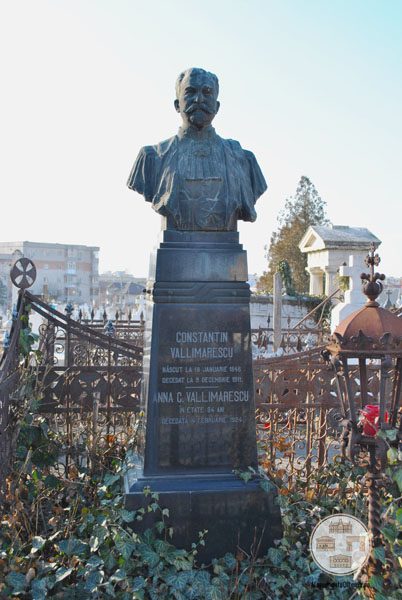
277 321
316 281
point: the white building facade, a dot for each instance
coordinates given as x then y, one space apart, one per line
328 248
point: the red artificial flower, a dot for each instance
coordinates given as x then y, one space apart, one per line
369 418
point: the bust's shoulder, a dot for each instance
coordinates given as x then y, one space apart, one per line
236 147
158 150
233 144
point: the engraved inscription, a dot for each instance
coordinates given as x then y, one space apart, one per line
212 384
202 396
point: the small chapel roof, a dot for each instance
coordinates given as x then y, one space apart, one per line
320 237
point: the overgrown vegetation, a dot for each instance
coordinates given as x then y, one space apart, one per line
65 533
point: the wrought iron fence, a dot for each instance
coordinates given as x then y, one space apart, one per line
125 327
89 377
299 337
88 381
9 382
292 340
299 417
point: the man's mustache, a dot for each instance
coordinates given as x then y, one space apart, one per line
197 106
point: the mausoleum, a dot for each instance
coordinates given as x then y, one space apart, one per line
329 247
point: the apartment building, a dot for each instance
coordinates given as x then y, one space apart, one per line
65 272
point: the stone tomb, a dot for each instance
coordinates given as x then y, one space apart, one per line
198 397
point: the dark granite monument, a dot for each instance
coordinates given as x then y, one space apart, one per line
197 396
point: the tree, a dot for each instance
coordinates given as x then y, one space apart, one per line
303 209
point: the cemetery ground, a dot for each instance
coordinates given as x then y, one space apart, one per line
65 532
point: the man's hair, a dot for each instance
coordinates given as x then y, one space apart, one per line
196 70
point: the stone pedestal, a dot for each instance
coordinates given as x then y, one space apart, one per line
198 397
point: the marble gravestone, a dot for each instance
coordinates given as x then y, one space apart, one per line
197 396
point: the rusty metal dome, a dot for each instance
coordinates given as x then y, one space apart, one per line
371 330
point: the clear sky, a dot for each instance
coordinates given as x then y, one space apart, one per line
312 87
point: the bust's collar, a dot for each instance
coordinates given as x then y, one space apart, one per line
191 133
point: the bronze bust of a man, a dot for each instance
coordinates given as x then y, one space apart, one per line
196 179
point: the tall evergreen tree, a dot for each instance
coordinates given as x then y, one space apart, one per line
303 209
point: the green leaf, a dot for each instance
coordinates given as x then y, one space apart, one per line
215 593
398 515
37 543
266 485
159 526
162 547
110 479
148 536
193 592
127 516
392 456
138 584
150 557
202 577
119 575
177 595
391 434
397 477
230 561
73 547
110 562
16 581
125 546
94 562
180 560
224 579
312 578
109 590
178 581
245 476
39 589
389 533
376 581
94 543
379 554
93 580
62 573
100 532
276 556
